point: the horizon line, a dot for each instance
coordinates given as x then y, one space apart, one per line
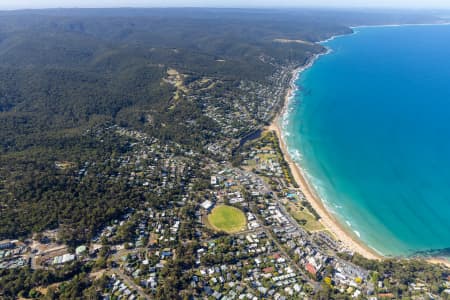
263 7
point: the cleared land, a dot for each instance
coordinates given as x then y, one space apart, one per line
227 218
305 218
307 221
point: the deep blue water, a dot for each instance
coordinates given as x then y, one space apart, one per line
372 123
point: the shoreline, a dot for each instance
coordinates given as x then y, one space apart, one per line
355 28
401 25
347 238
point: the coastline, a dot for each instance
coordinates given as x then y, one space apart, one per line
355 28
345 236
348 238
439 261
401 25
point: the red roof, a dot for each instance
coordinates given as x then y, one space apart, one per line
310 268
276 256
268 270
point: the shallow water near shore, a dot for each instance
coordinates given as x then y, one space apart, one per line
370 126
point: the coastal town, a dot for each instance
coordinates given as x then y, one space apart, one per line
182 187
281 250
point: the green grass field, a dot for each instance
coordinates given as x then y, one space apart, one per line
227 218
311 223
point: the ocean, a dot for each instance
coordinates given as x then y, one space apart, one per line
370 127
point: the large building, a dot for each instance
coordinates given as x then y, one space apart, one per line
6 244
207 204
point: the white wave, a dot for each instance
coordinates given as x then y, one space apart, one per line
330 209
348 223
357 233
375 249
294 88
296 155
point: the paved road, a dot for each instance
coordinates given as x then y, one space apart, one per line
125 278
293 222
130 283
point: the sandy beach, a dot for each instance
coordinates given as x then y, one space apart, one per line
349 239
439 261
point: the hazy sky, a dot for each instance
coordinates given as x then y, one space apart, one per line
13 4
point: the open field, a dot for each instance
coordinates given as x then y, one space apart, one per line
311 224
304 217
227 218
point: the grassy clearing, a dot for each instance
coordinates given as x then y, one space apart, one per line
311 223
227 218
306 219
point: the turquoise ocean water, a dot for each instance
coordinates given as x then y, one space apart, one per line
370 125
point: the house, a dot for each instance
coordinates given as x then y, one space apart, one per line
311 269
166 254
6 244
80 250
207 205
63 259
386 296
